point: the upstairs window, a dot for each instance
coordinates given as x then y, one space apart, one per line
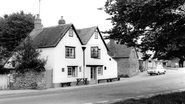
72 71
95 52
70 52
13 63
71 32
96 35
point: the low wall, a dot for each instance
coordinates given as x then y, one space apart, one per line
29 80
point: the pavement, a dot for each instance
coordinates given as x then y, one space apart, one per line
13 92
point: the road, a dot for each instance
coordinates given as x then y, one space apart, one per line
137 86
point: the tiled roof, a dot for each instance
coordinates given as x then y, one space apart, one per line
50 36
119 51
34 33
86 33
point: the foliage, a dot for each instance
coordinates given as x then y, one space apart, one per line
27 57
158 23
13 30
3 70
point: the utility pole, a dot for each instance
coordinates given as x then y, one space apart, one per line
39 7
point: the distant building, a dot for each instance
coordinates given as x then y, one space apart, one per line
126 57
175 62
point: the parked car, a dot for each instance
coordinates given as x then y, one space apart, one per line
157 70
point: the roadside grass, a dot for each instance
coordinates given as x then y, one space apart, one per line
171 98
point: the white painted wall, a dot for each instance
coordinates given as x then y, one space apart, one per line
57 60
9 64
105 60
48 54
62 62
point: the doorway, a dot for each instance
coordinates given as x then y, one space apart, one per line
93 75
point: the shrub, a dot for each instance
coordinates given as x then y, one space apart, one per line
4 70
28 59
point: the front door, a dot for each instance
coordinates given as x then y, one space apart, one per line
93 75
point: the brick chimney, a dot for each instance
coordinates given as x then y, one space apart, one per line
61 21
37 23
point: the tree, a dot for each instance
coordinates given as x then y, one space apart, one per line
27 57
159 23
13 30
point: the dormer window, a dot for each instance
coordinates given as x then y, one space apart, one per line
71 32
96 35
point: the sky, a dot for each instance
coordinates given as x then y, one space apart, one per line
82 13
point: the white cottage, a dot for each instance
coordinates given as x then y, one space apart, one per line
62 47
73 55
97 63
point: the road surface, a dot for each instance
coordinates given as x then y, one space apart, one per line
140 85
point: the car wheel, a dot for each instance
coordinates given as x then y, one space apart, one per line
151 74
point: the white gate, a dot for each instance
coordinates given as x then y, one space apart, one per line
4 82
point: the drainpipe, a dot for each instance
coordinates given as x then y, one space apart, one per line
83 48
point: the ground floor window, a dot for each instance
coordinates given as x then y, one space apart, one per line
72 71
100 70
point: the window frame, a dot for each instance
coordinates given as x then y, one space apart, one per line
100 71
70 32
72 71
95 52
96 35
63 70
70 52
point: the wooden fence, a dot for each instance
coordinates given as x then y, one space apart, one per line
4 82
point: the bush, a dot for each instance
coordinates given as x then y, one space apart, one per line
4 70
27 57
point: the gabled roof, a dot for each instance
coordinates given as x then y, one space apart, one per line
119 50
86 33
34 33
51 36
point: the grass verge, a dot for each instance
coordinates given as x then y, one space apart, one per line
171 98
